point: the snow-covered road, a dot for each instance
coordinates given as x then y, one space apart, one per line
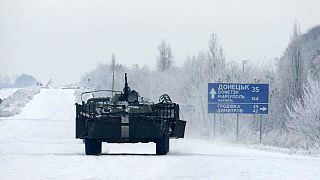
39 143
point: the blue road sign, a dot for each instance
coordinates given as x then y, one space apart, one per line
238 98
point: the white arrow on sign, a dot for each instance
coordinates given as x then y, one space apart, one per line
263 108
212 92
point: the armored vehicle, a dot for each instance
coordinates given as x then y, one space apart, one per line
127 118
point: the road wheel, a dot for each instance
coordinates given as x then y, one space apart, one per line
162 146
92 146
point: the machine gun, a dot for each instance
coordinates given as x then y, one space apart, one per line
126 90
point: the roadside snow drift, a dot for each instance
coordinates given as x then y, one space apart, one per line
39 143
13 103
6 92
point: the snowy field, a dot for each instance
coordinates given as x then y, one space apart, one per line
6 92
39 143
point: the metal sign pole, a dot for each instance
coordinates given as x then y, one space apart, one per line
254 121
220 124
260 123
214 126
237 130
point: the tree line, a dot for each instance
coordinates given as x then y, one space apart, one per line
293 120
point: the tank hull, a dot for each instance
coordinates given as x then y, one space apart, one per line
114 129
125 128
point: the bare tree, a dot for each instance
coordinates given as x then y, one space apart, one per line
304 114
113 63
165 58
297 63
291 75
216 59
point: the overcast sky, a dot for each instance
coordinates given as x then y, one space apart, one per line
63 39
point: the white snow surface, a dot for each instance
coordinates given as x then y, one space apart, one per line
40 143
6 92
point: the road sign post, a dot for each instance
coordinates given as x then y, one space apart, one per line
231 98
237 128
238 98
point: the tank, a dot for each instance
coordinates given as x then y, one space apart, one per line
127 118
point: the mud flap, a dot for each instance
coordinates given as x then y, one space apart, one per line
179 129
81 130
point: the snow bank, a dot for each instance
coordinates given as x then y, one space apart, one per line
13 104
6 92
